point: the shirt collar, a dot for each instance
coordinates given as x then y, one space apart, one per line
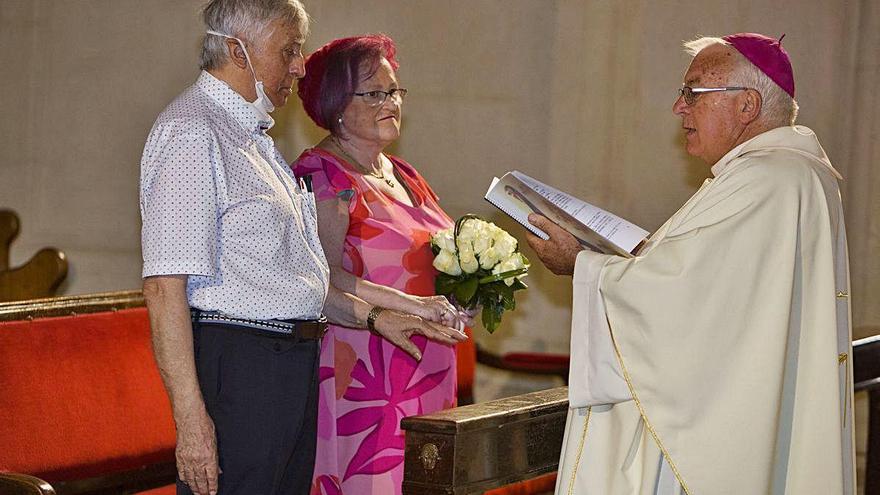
235 105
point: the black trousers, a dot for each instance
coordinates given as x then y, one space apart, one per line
262 393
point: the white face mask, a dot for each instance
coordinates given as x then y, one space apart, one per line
263 104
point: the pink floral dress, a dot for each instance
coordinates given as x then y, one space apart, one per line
367 384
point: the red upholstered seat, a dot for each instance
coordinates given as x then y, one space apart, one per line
165 490
80 396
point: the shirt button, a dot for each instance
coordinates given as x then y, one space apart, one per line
277 347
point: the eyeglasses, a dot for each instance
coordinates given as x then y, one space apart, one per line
378 97
690 94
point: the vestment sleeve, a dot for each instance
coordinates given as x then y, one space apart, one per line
595 377
179 205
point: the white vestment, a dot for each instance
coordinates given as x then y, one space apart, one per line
718 360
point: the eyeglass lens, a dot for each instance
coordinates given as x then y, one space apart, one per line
376 98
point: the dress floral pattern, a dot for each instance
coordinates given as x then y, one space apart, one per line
367 384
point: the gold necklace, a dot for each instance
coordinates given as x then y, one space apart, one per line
379 175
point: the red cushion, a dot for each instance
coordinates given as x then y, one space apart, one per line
80 396
165 490
542 484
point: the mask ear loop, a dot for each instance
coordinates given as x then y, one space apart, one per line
240 43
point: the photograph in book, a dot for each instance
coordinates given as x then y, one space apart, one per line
518 195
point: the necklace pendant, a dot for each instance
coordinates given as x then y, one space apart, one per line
389 182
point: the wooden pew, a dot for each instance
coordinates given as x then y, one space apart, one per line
82 408
39 277
470 449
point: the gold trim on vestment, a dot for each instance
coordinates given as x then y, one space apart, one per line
632 391
577 459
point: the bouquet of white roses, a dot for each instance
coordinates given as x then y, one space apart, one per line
479 265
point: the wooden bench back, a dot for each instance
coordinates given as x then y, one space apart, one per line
39 277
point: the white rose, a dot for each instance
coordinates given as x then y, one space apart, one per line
444 240
513 262
468 230
447 262
482 242
504 244
464 244
468 261
489 258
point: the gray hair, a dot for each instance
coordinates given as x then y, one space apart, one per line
778 108
247 20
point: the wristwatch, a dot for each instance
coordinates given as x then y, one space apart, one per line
374 313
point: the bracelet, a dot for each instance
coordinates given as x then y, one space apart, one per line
371 317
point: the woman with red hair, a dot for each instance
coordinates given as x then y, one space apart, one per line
376 215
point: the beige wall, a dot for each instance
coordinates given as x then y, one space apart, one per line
575 92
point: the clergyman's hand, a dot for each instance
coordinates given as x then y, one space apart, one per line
196 453
558 253
398 327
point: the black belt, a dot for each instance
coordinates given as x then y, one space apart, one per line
302 329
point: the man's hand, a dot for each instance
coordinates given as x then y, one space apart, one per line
171 330
196 453
397 328
559 253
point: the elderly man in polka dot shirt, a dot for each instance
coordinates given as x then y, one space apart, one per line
235 279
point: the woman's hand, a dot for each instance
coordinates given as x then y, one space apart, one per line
398 327
439 310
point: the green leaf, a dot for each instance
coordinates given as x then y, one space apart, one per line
507 299
444 284
465 291
503 275
489 320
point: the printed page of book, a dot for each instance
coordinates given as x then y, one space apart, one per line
622 233
506 198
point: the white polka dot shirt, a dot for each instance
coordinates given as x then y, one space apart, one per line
219 203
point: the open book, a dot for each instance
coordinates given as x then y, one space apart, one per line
517 194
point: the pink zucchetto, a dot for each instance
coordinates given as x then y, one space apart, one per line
768 55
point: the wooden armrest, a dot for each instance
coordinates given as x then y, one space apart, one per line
22 484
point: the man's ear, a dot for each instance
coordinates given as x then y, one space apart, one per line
236 53
750 106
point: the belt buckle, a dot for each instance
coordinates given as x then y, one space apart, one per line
322 327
